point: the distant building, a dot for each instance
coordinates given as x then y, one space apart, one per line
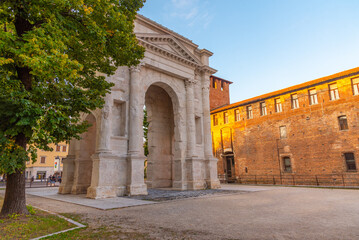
304 134
48 163
218 92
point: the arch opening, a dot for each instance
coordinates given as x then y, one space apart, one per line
84 163
160 117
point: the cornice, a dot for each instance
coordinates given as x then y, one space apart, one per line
165 38
165 52
206 69
163 28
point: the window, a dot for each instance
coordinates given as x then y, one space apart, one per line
214 84
343 123
283 131
355 84
278 105
215 120
333 91
295 102
237 116
42 159
287 164
58 148
225 117
222 85
64 148
350 161
249 112
313 99
41 175
263 108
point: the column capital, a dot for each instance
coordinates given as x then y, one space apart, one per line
138 67
189 82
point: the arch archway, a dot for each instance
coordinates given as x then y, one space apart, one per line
161 136
83 162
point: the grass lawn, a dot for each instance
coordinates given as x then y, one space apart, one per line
105 232
34 225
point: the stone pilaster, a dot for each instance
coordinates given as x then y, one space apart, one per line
105 166
192 162
135 160
68 170
191 131
211 162
104 128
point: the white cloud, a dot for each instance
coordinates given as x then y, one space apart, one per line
193 12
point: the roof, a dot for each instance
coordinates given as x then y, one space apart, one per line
221 79
294 88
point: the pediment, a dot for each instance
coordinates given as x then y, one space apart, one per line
168 45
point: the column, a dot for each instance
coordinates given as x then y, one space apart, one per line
211 162
68 169
135 160
191 131
206 116
191 159
104 182
104 128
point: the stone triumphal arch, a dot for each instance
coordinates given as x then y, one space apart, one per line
172 82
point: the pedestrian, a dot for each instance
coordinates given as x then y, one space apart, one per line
49 180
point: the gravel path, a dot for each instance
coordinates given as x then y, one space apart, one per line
267 213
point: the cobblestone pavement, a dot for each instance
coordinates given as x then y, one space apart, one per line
167 195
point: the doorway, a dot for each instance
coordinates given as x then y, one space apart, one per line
229 168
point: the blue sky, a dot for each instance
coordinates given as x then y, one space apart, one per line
266 45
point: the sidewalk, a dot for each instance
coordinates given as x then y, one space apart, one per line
103 204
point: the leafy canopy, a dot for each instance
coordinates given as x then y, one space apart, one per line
51 54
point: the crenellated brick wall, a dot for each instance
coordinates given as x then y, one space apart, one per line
218 92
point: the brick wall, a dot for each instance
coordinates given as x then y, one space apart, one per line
218 92
313 142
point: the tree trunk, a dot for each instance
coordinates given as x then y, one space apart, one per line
15 199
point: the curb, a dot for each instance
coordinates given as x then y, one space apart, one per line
79 225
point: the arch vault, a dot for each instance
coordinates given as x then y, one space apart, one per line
173 81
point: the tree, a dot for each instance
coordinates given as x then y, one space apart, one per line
145 139
145 132
51 54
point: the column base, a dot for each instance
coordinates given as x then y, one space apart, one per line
136 182
213 184
64 189
79 189
212 173
101 192
139 189
196 185
178 185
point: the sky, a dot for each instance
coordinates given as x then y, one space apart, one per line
266 45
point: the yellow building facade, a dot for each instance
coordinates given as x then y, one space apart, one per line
47 163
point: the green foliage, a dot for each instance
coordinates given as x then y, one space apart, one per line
51 54
145 132
14 216
31 209
145 136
